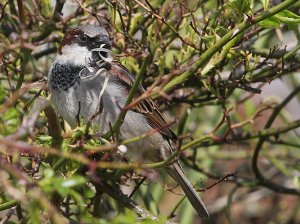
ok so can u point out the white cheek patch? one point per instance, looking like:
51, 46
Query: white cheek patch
75, 54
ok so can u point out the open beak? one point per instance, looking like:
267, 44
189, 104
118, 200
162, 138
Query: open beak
102, 40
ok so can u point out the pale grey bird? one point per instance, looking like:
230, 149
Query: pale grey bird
84, 81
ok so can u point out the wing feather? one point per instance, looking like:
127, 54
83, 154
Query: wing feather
146, 107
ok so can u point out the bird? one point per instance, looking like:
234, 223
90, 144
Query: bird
86, 82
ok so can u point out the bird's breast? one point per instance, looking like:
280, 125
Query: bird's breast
64, 76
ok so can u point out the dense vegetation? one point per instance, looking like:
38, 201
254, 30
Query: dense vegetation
224, 73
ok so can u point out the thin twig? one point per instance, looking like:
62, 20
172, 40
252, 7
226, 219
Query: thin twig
126, 201
259, 176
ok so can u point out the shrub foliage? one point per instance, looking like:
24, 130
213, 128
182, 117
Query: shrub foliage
209, 64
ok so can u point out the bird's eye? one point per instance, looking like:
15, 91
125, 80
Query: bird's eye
84, 38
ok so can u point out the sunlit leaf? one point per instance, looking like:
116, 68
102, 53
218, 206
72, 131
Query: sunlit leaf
271, 22
265, 3
74, 181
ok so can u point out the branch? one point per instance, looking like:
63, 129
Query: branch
205, 57
259, 176
32, 190
57, 10
53, 125
8, 205
29, 121
126, 201
21, 11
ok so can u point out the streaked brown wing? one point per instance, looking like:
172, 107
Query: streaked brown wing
147, 107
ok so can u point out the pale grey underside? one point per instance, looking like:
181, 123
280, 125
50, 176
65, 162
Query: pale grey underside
83, 99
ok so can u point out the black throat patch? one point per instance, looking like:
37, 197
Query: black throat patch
63, 76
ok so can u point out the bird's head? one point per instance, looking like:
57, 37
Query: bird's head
83, 43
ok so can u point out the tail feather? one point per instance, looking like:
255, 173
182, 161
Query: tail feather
176, 172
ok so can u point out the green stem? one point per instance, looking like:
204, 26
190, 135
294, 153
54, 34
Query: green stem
225, 39
196, 141
176, 153
8, 205
205, 71
24, 60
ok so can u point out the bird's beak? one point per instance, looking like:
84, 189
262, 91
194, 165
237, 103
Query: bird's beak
106, 41
102, 40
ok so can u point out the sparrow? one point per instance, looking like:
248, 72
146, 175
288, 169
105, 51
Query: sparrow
86, 82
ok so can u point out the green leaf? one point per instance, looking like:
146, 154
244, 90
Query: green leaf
48, 173
34, 214
57, 186
46, 8
240, 7
11, 119
221, 30
150, 221
11, 113
289, 18
288, 14
62, 185
78, 198
271, 22
127, 218
74, 181
88, 192
44, 140
265, 4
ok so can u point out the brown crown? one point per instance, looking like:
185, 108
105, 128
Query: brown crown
68, 38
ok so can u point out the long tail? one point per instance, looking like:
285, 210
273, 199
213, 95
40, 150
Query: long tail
176, 172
